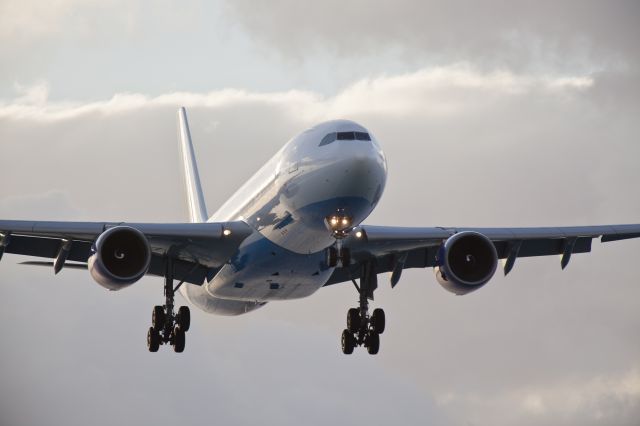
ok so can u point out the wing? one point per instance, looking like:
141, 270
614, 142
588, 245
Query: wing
198, 250
393, 249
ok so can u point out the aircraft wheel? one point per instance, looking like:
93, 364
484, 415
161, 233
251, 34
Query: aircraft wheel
378, 320
373, 343
158, 316
184, 318
353, 320
153, 340
178, 339
348, 342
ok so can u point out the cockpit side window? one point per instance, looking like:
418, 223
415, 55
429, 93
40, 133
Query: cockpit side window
328, 139
361, 136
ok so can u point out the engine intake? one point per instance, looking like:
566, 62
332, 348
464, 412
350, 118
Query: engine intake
466, 261
121, 257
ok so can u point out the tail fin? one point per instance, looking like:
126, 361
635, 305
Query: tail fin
195, 198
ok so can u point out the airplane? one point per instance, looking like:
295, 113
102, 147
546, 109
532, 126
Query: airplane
294, 227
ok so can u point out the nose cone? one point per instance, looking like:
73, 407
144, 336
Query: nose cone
361, 172
334, 170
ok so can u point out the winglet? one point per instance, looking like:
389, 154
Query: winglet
195, 198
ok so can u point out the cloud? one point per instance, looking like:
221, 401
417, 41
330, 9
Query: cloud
437, 90
50, 205
611, 399
31, 21
567, 35
447, 90
33, 105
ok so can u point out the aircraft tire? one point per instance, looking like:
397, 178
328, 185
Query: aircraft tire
153, 340
373, 343
178, 339
353, 320
378, 320
184, 318
158, 317
348, 342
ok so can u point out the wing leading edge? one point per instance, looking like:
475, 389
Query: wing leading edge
198, 250
393, 249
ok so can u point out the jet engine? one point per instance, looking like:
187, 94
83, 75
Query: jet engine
465, 262
121, 257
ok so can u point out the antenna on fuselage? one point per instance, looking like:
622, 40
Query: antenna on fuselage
195, 197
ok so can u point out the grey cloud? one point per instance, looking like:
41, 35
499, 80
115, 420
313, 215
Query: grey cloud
50, 205
562, 34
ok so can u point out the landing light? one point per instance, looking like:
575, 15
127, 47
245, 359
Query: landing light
359, 234
226, 232
339, 224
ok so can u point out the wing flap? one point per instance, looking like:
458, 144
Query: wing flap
543, 247
47, 247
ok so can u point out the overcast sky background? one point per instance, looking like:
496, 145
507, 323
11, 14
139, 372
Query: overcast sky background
499, 114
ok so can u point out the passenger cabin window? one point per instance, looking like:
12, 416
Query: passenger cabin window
345, 136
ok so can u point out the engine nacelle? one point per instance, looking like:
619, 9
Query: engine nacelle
465, 262
121, 257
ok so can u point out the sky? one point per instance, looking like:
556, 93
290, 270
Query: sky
490, 114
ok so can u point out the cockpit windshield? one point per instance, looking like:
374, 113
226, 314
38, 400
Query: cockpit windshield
345, 136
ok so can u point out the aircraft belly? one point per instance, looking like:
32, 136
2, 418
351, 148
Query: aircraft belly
264, 271
200, 298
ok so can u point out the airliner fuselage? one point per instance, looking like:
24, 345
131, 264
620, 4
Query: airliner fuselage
335, 169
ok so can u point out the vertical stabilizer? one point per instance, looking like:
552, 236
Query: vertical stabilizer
195, 198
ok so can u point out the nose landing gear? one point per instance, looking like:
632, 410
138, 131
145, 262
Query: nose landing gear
363, 329
338, 255
168, 327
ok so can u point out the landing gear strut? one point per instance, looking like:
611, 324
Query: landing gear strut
338, 255
167, 327
364, 329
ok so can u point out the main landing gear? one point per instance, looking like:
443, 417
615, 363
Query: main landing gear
167, 327
364, 329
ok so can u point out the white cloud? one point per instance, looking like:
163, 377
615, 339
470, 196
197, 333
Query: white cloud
602, 399
443, 90
26, 22
34, 18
